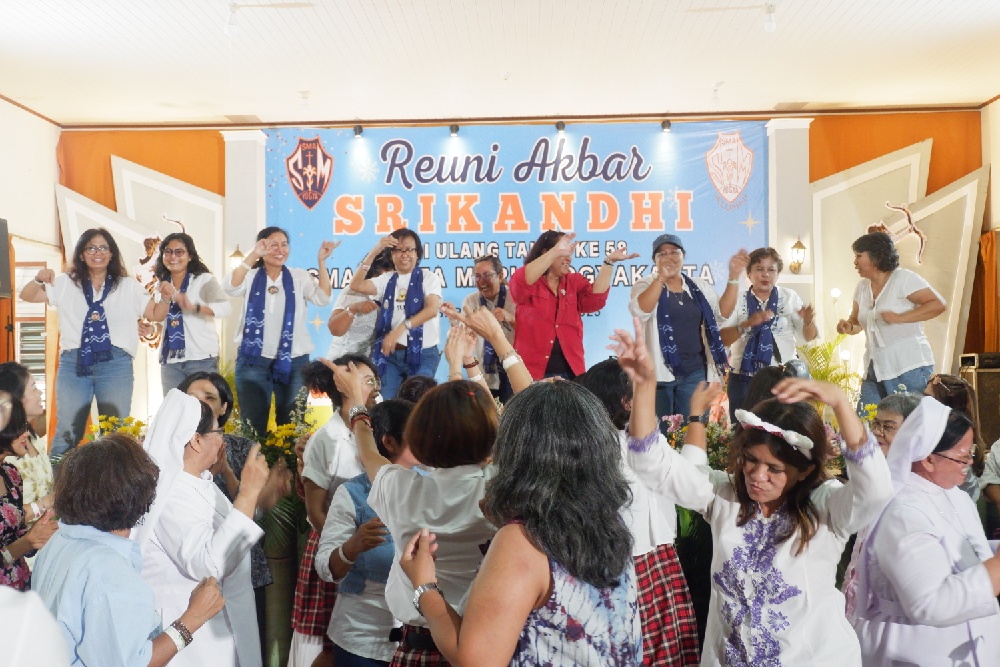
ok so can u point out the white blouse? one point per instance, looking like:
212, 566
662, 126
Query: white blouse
770, 606
786, 325
306, 289
893, 349
650, 517
123, 308
201, 338
331, 457
397, 301
361, 334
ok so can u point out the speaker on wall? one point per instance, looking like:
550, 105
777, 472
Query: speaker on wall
5, 268
986, 382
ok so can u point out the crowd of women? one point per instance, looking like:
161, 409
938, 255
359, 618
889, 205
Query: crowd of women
521, 513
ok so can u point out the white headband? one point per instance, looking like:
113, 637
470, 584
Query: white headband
796, 440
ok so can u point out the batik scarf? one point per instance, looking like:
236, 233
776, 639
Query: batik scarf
760, 344
173, 336
95, 341
671, 357
413, 304
489, 354
252, 345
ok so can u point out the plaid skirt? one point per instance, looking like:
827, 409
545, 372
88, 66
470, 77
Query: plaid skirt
314, 597
669, 628
412, 657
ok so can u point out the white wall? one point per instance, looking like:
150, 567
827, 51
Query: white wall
991, 156
28, 174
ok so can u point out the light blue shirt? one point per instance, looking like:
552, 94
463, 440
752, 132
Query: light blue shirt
90, 581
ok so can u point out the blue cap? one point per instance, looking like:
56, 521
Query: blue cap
672, 239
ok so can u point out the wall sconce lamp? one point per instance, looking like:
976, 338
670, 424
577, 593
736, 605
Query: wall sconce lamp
560, 127
665, 125
236, 258
798, 256
454, 130
357, 131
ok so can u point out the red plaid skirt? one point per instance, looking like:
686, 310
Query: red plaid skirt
314, 597
411, 657
669, 628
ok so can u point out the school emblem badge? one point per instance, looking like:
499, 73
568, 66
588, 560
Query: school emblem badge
309, 170
729, 164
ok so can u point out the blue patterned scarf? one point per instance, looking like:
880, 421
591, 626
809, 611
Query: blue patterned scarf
489, 354
252, 345
173, 336
95, 341
666, 331
413, 304
760, 345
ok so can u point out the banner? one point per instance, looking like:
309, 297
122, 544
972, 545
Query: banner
495, 188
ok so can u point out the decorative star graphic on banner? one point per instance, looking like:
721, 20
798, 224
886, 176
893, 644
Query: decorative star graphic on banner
750, 222
316, 322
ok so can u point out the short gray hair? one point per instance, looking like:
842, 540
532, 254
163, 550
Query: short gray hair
902, 404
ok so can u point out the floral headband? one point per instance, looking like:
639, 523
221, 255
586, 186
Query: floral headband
796, 440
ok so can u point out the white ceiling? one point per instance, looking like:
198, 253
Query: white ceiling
107, 62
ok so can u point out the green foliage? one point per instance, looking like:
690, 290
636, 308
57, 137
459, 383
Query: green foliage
824, 364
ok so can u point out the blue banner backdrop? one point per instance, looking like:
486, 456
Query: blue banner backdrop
495, 188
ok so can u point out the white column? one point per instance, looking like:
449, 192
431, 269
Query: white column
789, 203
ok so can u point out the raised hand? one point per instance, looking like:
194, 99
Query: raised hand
620, 254
704, 396
46, 276
807, 315
632, 354
325, 250
564, 247
738, 264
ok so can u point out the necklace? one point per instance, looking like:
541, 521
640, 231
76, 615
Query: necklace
678, 295
273, 289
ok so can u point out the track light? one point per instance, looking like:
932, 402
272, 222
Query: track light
665, 125
357, 131
560, 127
454, 130
770, 25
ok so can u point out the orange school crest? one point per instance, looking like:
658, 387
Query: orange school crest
309, 169
729, 164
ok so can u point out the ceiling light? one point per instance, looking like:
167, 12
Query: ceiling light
453, 129
665, 125
560, 127
770, 25
357, 131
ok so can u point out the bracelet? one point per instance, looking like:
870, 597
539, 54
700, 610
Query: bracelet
733, 282
361, 418
454, 376
475, 362
476, 378
39, 282
37, 510
420, 590
244, 265
8, 557
510, 361
182, 629
340, 552
175, 636
607, 263
408, 325
362, 265
197, 308
357, 410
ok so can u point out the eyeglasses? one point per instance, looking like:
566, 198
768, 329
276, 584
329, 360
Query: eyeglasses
176, 252
489, 275
403, 251
94, 249
886, 427
965, 462
373, 382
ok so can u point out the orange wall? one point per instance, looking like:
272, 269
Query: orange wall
193, 156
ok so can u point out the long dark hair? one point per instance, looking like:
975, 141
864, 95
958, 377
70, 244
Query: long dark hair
17, 425
195, 266
803, 419
559, 471
78, 270
543, 244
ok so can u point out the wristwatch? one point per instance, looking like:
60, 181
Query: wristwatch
420, 590
696, 419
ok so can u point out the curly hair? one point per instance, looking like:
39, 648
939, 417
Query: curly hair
799, 417
108, 484
195, 266
880, 249
559, 472
78, 270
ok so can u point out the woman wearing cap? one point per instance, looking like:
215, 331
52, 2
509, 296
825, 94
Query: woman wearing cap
890, 306
551, 298
681, 316
927, 578
764, 326
779, 525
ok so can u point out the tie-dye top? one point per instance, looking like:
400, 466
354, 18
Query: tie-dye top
582, 625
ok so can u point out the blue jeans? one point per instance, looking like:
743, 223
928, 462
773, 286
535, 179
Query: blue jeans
397, 370
111, 383
674, 398
873, 391
343, 658
173, 374
255, 387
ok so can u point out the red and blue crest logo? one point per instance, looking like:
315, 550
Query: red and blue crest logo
309, 170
